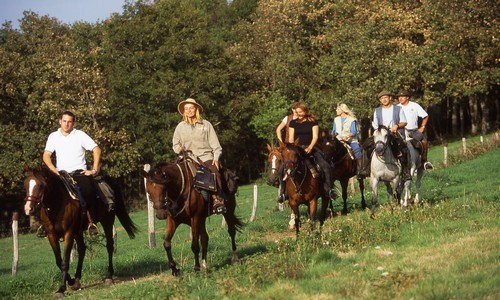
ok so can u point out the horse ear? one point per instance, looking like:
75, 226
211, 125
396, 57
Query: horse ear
269, 147
282, 144
296, 141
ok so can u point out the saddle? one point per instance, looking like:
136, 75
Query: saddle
417, 145
203, 178
70, 185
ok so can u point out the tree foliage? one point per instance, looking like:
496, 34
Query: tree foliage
245, 62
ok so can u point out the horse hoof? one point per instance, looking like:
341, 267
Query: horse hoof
76, 285
108, 281
58, 295
234, 258
177, 273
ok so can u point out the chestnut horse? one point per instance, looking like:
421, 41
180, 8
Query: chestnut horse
61, 217
275, 161
301, 186
343, 167
171, 190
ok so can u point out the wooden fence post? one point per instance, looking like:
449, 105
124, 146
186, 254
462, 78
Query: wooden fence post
115, 238
445, 150
254, 208
351, 181
464, 146
15, 239
151, 214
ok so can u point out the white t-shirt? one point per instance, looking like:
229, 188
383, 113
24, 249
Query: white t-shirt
387, 114
412, 111
70, 149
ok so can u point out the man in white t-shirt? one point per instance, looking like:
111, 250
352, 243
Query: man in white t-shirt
413, 111
70, 145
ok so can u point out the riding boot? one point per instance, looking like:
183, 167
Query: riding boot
218, 207
281, 195
405, 169
359, 173
106, 193
41, 233
312, 168
92, 228
427, 165
365, 165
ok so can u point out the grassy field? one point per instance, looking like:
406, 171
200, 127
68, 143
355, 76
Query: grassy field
446, 248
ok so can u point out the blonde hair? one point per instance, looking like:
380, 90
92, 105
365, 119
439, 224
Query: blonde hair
343, 107
192, 121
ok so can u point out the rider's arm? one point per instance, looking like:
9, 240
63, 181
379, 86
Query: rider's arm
291, 133
48, 161
278, 130
315, 133
96, 153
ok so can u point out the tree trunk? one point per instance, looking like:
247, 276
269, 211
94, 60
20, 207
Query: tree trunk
474, 115
454, 111
484, 115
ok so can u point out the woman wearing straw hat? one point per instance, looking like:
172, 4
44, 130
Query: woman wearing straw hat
197, 135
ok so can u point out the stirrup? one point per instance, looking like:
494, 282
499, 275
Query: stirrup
219, 207
428, 166
40, 232
93, 230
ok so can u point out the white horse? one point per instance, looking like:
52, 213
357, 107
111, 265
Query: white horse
418, 168
384, 167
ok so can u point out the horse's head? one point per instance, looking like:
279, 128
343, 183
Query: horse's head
381, 138
156, 187
332, 148
292, 157
35, 185
275, 161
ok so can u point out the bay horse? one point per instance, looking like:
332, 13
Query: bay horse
416, 167
385, 167
62, 218
174, 197
344, 167
301, 186
275, 161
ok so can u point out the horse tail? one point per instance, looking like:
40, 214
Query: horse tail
122, 214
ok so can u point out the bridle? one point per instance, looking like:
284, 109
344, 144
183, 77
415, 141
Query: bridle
38, 198
274, 157
162, 202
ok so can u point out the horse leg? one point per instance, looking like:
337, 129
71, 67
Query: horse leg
68, 246
295, 210
231, 222
81, 249
374, 184
313, 206
167, 244
418, 184
203, 236
343, 184
390, 193
110, 247
325, 202
361, 183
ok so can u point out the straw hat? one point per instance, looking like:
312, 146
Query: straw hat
181, 105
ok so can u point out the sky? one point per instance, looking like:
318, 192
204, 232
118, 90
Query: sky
66, 11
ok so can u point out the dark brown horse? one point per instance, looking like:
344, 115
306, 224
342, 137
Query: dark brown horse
170, 187
301, 186
343, 167
61, 217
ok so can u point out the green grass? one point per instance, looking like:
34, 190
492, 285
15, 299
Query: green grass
445, 248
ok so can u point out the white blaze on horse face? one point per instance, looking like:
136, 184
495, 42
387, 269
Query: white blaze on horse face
27, 205
273, 164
